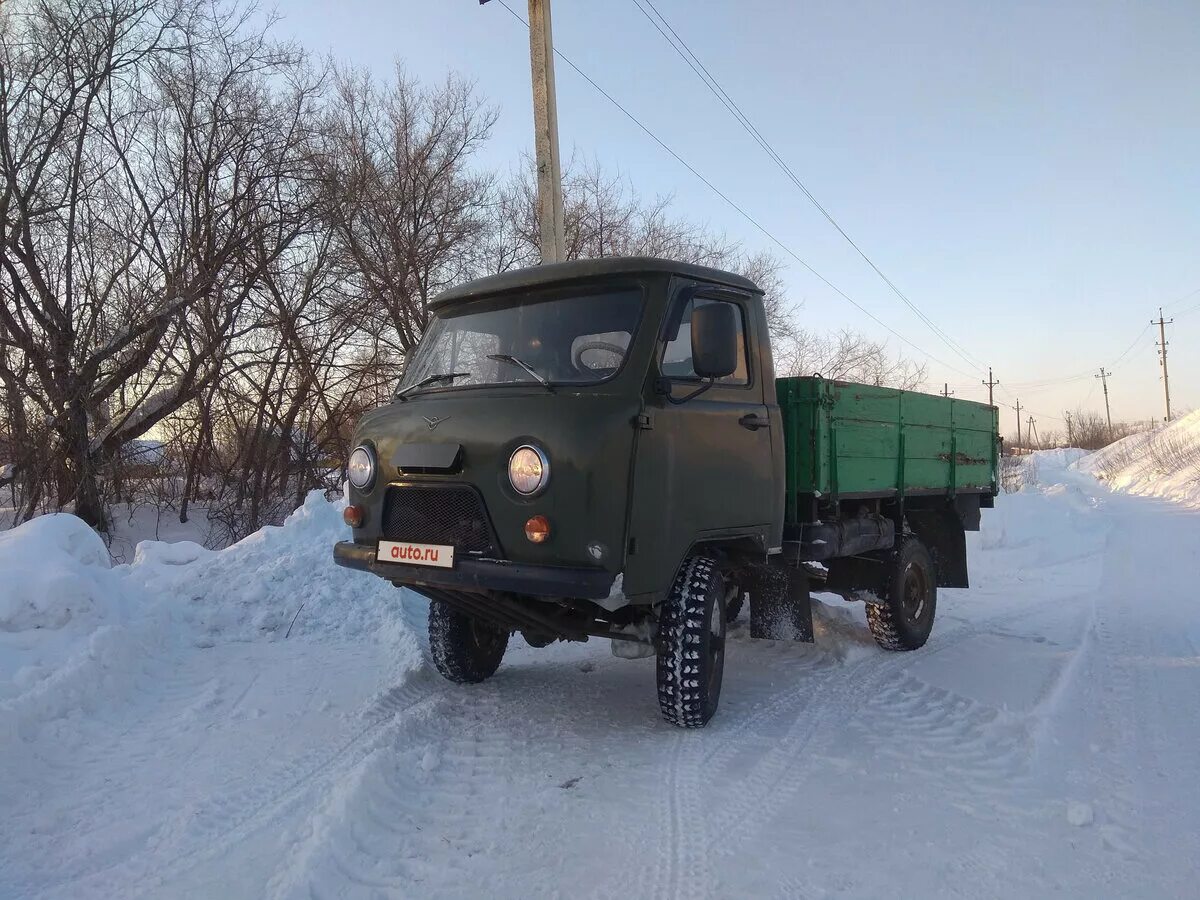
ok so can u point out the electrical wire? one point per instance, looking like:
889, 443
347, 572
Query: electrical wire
697, 66
749, 218
1186, 311
1186, 296
1046, 383
1129, 349
1091, 393
1024, 408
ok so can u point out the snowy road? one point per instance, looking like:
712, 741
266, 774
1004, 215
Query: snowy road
1046, 741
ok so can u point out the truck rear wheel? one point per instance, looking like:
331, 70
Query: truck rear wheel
464, 649
691, 653
904, 617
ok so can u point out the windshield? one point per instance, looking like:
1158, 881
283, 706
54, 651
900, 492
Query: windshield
522, 340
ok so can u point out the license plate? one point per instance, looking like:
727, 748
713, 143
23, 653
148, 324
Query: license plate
437, 555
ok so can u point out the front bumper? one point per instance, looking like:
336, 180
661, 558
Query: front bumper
481, 575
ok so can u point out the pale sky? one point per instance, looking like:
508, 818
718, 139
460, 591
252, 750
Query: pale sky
1025, 172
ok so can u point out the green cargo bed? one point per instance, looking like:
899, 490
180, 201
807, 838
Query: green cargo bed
846, 441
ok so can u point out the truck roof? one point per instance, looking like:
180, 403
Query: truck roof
585, 270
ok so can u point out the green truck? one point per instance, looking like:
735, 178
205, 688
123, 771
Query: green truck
601, 449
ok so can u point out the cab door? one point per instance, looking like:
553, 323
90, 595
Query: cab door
704, 459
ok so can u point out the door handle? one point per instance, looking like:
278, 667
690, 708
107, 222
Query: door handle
754, 421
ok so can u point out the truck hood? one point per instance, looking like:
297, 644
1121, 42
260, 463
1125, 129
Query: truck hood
467, 436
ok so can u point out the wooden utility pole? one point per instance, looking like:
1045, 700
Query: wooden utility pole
991, 383
1031, 434
1104, 376
1070, 430
545, 127
1162, 343
1018, 424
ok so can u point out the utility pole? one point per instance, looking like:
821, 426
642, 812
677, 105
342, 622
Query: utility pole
1104, 376
1162, 343
545, 127
946, 392
1070, 430
1034, 440
1018, 424
991, 383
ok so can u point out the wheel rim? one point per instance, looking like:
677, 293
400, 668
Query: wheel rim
916, 592
716, 647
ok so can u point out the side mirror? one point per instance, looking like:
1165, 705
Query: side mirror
714, 340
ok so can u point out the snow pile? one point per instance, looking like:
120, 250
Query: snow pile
63, 612
71, 627
74, 627
1161, 463
255, 588
1059, 458
55, 569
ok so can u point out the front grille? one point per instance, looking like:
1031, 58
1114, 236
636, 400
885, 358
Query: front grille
442, 514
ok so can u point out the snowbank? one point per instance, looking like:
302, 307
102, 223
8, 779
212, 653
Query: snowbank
55, 569
1161, 463
255, 588
74, 627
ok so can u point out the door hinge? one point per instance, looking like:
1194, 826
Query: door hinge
643, 421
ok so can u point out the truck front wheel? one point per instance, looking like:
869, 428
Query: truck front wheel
464, 649
903, 618
691, 653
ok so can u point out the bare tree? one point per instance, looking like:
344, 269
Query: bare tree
141, 149
206, 241
605, 216
848, 356
408, 212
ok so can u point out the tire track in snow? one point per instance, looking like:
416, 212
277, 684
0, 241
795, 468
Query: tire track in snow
845, 692
201, 831
819, 689
466, 793
686, 838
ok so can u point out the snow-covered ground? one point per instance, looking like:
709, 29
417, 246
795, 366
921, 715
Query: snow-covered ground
162, 734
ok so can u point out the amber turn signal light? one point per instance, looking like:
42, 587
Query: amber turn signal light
353, 516
537, 529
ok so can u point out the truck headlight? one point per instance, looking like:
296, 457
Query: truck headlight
528, 470
361, 468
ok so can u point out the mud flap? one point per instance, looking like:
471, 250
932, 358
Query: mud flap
780, 604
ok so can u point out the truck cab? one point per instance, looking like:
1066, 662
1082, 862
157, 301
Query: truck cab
589, 449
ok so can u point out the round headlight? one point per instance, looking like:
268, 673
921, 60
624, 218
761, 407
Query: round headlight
361, 468
528, 470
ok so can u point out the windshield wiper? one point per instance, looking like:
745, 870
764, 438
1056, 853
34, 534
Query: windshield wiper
432, 379
517, 361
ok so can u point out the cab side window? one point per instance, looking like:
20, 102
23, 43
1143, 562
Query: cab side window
677, 357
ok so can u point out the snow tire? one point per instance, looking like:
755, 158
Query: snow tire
464, 649
691, 636
903, 618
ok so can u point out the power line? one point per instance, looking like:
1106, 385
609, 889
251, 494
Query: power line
1040, 415
749, 218
1186, 296
1128, 349
1045, 383
1048, 382
685, 52
1095, 384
